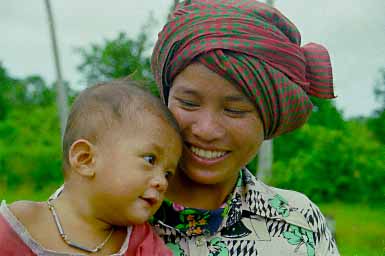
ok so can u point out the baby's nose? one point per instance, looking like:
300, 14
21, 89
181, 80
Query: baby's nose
160, 183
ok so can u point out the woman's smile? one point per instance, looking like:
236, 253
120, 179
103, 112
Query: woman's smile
207, 157
207, 154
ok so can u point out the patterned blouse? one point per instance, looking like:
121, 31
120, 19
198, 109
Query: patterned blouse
256, 220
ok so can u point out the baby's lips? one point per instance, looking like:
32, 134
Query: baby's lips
151, 199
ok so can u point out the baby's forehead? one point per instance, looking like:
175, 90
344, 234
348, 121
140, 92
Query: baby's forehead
149, 129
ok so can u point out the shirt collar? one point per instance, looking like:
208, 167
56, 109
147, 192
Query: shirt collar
262, 200
251, 198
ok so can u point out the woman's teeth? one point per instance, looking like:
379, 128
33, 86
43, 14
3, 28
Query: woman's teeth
208, 154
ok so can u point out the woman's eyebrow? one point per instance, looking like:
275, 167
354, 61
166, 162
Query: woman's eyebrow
188, 91
237, 98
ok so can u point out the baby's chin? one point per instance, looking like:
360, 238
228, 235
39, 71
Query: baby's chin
139, 218
130, 221
135, 214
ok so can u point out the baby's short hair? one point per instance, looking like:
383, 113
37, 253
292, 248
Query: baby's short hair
99, 106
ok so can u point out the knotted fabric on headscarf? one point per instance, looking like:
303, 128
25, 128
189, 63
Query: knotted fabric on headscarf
253, 46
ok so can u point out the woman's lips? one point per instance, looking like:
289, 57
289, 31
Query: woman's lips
205, 156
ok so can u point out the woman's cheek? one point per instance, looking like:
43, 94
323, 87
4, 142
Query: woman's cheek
183, 117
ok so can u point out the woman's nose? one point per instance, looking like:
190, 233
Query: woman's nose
208, 127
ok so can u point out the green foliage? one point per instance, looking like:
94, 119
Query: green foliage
113, 59
30, 147
29, 133
22, 93
326, 114
332, 159
331, 164
119, 57
377, 125
379, 89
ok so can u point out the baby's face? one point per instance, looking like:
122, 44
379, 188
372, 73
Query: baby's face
133, 166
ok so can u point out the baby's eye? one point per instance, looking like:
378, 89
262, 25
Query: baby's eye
150, 159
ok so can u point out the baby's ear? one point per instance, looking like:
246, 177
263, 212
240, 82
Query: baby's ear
81, 157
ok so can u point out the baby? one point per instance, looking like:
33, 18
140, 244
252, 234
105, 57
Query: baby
120, 147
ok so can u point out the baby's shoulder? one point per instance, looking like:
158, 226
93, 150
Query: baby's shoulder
28, 212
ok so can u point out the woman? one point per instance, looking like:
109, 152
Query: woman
233, 74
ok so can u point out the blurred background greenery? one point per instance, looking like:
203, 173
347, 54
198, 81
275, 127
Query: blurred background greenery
339, 163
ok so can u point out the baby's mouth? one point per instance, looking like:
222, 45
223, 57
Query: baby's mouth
150, 200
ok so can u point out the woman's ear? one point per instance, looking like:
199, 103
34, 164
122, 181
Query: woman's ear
82, 157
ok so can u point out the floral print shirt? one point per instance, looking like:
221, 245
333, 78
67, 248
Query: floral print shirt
256, 220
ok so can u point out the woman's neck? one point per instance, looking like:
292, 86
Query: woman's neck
185, 191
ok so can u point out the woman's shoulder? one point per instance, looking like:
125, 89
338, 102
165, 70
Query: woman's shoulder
298, 202
288, 205
292, 198
298, 211
295, 199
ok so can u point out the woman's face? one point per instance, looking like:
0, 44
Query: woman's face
220, 126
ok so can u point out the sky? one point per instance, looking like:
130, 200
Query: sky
352, 30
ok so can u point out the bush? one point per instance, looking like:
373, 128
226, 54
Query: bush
332, 164
30, 147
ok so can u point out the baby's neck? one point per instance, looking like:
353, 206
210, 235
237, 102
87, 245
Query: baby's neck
76, 211
191, 194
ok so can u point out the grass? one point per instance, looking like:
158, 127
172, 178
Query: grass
360, 229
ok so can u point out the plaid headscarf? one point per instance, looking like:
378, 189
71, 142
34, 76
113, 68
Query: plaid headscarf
253, 46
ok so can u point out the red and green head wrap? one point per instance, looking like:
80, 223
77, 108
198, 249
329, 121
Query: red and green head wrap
253, 46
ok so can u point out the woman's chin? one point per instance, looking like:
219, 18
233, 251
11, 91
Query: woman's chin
204, 177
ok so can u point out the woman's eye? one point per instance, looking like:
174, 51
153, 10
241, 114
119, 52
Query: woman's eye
236, 111
169, 174
150, 159
188, 103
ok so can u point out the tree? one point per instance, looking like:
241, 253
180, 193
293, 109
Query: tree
5, 87
119, 57
329, 164
377, 122
326, 114
22, 93
113, 59
379, 89
29, 133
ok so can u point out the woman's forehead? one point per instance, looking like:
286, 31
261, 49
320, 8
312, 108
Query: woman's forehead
197, 80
